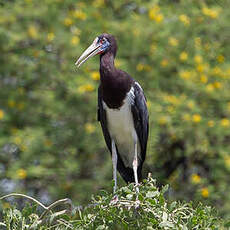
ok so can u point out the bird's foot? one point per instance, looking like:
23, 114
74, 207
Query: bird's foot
114, 200
136, 186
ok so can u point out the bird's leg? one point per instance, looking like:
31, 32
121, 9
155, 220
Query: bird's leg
114, 160
135, 165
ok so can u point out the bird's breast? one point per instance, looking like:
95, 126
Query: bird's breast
121, 128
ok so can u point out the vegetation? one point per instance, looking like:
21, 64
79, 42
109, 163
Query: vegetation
147, 210
51, 145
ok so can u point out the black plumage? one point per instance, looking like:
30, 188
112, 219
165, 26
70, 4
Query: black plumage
140, 116
117, 88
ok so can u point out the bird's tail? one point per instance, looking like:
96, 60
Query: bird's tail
128, 174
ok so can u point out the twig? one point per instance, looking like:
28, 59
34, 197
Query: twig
47, 209
25, 196
55, 204
2, 224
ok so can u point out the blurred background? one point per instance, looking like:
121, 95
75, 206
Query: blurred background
51, 145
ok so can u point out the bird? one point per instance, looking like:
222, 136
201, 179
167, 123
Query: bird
122, 112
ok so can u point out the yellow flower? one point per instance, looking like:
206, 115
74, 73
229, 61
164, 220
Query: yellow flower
154, 15
186, 117
140, 67
185, 74
225, 122
211, 123
86, 88
148, 103
196, 118
76, 31
68, 21
172, 99
170, 109
95, 75
205, 192
212, 13
217, 85
79, 14
198, 59
220, 58
163, 120
89, 128
50, 37
164, 62
185, 19
32, 32
21, 173
203, 78
1, 114
153, 12
75, 40
210, 87
227, 161
17, 140
173, 41
195, 178
118, 62
191, 104
183, 56
159, 18
143, 67
200, 68
23, 147
216, 71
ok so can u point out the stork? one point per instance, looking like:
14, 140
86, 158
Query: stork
122, 111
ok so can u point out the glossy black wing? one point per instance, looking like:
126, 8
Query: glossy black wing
141, 119
101, 117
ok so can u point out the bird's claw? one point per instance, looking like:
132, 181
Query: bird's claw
136, 186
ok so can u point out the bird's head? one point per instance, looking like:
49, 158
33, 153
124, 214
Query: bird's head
102, 44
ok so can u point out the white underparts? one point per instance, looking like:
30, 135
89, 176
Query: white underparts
121, 129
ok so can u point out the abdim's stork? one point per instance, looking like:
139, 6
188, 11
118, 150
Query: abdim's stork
122, 111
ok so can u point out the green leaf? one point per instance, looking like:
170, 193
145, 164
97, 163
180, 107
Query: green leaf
151, 194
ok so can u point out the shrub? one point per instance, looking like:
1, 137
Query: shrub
127, 210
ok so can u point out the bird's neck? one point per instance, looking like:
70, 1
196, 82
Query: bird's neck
114, 83
107, 68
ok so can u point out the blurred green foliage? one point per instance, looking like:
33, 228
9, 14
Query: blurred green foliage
127, 210
51, 143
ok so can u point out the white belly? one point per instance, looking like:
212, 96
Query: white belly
122, 131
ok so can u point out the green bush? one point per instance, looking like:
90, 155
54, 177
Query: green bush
51, 143
127, 210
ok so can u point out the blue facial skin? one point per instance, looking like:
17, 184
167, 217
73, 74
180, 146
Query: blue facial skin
104, 46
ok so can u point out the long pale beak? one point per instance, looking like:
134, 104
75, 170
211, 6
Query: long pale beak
91, 51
